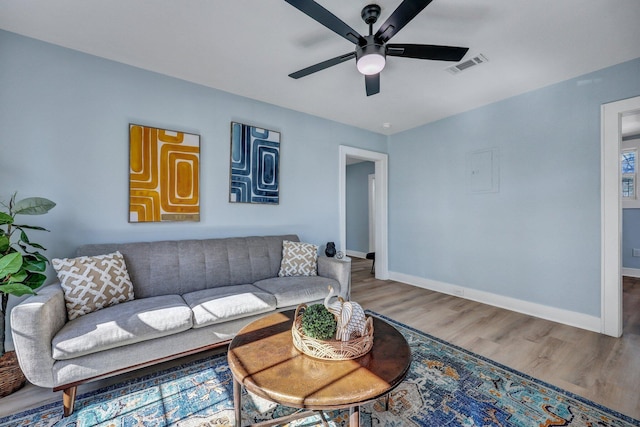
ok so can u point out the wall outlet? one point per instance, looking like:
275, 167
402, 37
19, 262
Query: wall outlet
635, 252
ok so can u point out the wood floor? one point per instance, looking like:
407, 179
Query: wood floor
603, 369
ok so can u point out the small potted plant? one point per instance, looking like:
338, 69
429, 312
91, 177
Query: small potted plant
22, 271
317, 322
314, 333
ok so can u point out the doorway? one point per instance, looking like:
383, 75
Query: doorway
611, 209
380, 201
360, 212
371, 208
629, 149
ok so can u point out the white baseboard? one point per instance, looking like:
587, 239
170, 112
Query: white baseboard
356, 254
631, 272
567, 317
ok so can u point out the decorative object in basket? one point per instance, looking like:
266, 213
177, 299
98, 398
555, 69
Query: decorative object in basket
358, 344
349, 315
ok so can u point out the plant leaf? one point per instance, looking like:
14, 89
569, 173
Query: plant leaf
10, 264
18, 277
33, 264
33, 206
4, 243
30, 227
17, 289
37, 246
40, 257
35, 280
5, 218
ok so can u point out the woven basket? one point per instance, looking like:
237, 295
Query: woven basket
11, 376
330, 349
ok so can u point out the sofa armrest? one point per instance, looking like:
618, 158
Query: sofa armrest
34, 322
338, 269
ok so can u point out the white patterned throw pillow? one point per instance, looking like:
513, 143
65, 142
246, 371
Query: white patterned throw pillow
93, 283
298, 259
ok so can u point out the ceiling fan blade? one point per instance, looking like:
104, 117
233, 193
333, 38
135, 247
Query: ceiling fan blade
427, 51
372, 83
322, 65
407, 10
326, 18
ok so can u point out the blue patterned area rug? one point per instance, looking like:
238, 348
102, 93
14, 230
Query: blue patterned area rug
446, 386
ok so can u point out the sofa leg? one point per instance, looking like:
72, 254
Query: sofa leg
69, 399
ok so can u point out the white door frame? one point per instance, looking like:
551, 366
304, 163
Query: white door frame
611, 215
371, 200
381, 164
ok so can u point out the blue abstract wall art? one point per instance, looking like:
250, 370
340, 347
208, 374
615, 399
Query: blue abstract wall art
255, 161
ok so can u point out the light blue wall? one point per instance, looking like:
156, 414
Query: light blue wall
538, 238
64, 119
630, 237
357, 204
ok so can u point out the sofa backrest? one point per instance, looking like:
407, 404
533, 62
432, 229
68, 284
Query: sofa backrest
181, 266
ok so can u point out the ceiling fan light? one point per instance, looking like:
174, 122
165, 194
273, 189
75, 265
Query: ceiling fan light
370, 64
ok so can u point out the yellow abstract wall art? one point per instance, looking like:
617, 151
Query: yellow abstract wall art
164, 170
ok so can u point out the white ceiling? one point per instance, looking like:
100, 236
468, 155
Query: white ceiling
248, 47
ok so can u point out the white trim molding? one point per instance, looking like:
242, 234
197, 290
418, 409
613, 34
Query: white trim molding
631, 272
567, 317
611, 213
356, 254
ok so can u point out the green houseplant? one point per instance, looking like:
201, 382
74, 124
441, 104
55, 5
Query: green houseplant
22, 266
318, 322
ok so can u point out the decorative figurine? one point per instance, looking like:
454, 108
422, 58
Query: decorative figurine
352, 322
330, 251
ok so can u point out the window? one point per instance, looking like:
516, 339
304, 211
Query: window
628, 166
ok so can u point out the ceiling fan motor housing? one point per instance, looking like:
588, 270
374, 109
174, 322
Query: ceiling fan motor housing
372, 49
372, 46
369, 46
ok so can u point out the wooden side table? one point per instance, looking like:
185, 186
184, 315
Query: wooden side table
263, 359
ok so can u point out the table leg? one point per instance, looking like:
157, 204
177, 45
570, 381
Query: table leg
354, 416
237, 401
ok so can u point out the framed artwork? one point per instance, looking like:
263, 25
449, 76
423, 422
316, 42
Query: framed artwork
254, 168
164, 170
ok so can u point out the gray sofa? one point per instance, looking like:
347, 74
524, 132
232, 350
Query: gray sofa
190, 296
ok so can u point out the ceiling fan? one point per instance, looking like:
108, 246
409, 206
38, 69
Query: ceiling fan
371, 51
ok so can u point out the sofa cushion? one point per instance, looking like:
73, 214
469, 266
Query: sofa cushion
180, 266
93, 283
217, 305
291, 291
298, 259
122, 324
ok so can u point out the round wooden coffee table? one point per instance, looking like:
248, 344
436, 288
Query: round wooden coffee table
263, 359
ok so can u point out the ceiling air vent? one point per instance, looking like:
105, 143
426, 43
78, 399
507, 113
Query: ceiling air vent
477, 60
